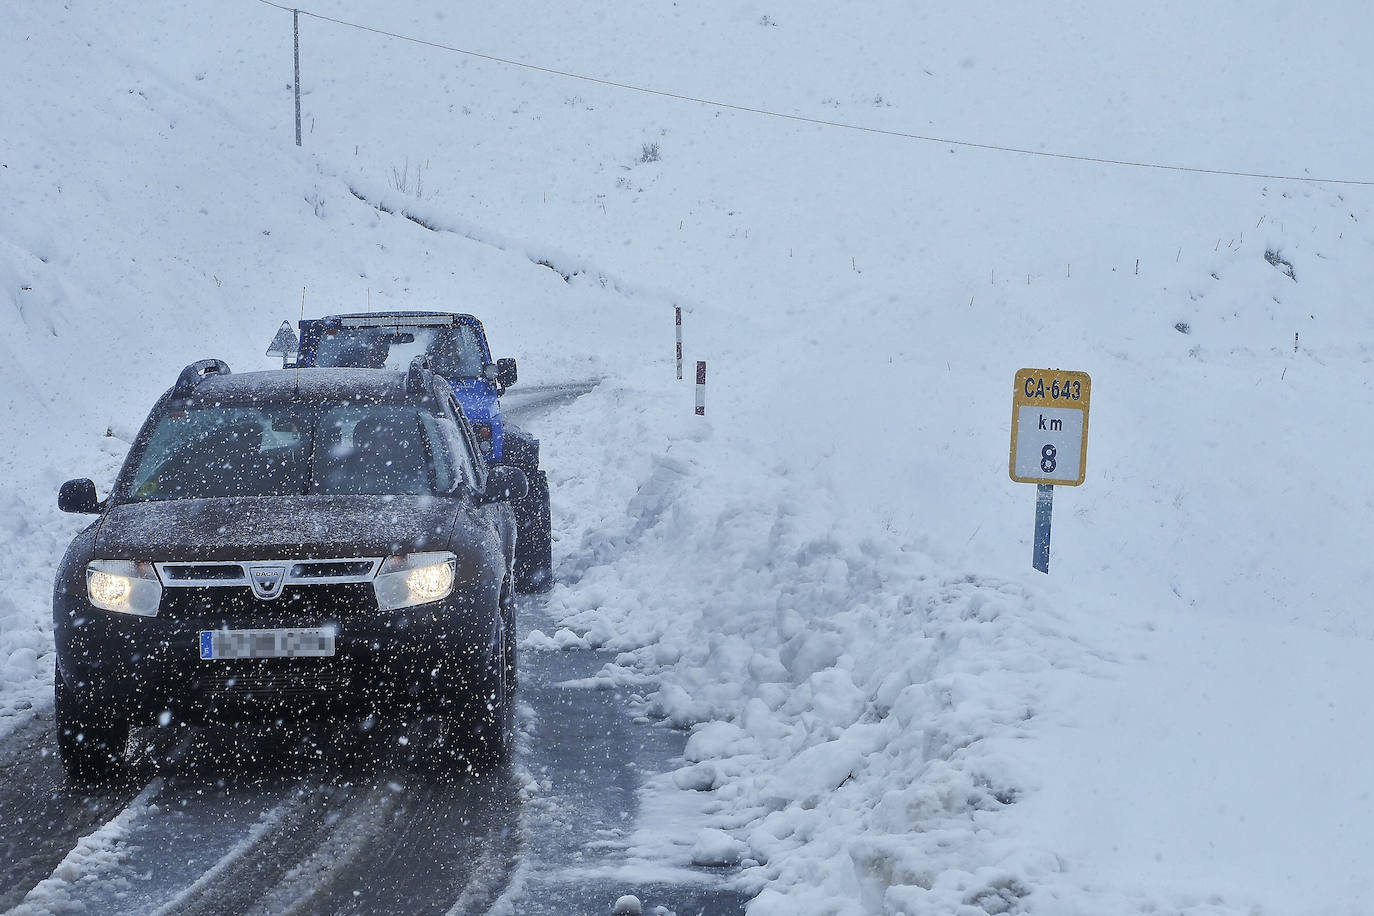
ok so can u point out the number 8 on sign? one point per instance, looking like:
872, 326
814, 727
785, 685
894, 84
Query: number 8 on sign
1047, 462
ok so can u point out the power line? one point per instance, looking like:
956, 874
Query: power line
802, 119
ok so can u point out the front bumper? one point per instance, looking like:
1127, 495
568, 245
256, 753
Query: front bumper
139, 668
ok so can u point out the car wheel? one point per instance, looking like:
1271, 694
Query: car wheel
490, 713
91, 742
508, 615
534, 537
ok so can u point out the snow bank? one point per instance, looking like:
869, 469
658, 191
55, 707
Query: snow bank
854, 705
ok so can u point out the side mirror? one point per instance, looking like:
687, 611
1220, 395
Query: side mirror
505, 372
505, 482
78, 496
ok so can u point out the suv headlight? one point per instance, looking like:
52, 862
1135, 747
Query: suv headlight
414, 578
124, 586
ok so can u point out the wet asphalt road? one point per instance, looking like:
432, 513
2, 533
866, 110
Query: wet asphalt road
278, 821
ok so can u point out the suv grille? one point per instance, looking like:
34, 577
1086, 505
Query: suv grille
252, 590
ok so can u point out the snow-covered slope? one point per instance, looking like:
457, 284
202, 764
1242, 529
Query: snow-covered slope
827, 578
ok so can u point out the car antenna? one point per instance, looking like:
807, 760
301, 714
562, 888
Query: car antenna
298, 356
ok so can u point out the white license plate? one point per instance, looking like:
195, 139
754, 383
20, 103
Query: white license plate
277, 643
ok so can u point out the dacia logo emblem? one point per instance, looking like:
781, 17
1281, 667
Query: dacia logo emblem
268, 581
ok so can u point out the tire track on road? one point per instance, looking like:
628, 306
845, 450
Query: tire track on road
44, 816
289, 834
433, 846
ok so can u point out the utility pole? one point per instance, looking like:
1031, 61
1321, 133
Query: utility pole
296, 26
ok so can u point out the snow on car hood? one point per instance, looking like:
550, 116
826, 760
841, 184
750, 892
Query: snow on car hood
285, 527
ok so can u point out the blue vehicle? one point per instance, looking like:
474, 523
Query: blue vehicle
456, 348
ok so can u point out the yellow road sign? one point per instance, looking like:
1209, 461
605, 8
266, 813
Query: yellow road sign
1049, 427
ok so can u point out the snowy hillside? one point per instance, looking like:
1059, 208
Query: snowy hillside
827, 579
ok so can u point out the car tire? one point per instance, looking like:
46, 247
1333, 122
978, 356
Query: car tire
508, 615
534, 537
490, 713
90, 742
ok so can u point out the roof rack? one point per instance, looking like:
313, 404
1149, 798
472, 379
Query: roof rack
195, 373
395, 319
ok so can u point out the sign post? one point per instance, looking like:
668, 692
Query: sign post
1049, 441
1044, 507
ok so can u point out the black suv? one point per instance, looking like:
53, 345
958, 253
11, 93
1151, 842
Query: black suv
290, 546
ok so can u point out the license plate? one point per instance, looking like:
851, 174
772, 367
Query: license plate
277, 643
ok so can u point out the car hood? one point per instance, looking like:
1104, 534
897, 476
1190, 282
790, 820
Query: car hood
276, 527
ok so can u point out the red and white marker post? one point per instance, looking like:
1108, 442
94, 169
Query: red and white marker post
701, 388
678, 313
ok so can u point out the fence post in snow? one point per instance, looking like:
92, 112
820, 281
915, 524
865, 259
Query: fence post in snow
296, 30
677, 310
701, 388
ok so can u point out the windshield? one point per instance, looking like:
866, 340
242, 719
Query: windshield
454, 352
286, 450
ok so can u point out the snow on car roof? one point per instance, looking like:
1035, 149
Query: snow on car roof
304, 385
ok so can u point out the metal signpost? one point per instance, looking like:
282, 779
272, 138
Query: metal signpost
1049, 441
